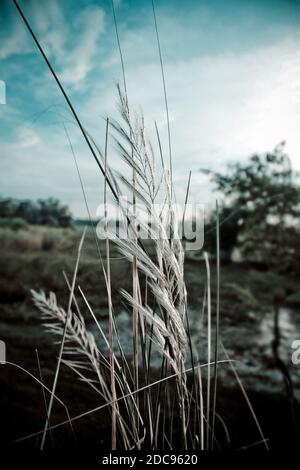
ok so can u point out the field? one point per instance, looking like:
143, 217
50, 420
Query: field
35, 258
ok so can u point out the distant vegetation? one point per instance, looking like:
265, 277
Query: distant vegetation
17, 213
261, 210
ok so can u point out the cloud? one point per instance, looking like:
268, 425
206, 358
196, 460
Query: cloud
223, 107
224, 104
27, 138
82, 56
70, 38
15, 42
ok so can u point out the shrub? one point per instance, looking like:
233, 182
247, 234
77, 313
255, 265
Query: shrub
15, 223
42, 212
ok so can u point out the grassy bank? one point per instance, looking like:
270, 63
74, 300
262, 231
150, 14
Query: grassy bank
36, 257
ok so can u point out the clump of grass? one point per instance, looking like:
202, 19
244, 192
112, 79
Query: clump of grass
34, 238
147, 418
160, 310
15, 223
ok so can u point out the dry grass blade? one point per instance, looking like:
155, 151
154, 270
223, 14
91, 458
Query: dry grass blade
208, 350
264, 440
215, 379
37, 299
101, 407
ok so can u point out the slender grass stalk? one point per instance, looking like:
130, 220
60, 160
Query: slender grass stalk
135, 282
208, 350
107, 281
135, 313
62, 342
17, 366
264, 440
43, 390
119, 48
201, 431
126, 432
84, 195
194, 383
186, 197
165, 96
215, 379
73, 111
108, 404
110, 313
122, 383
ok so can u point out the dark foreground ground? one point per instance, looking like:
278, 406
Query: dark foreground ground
35, 258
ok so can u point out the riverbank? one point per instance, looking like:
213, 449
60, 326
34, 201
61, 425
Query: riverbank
36, 259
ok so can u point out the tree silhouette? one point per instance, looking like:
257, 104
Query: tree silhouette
42, 212
261, 208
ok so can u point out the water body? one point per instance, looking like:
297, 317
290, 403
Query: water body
248, 341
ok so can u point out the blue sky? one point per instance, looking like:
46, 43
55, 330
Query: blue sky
232, 71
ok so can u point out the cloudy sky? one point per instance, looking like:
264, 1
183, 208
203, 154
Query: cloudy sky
232, 70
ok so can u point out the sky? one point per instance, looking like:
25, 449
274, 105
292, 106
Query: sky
232, 71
